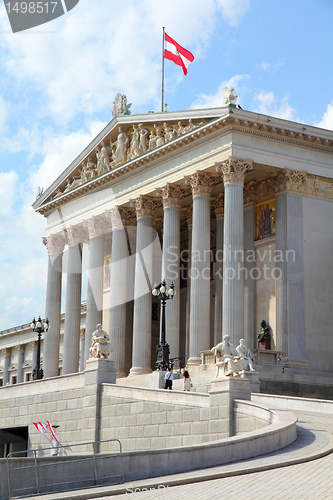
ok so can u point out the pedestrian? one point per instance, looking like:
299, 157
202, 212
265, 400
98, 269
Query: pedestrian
168, 379
187, 381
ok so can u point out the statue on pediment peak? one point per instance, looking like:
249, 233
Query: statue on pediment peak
120, 106
229, 96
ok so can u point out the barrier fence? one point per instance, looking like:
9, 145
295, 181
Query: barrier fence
78, 466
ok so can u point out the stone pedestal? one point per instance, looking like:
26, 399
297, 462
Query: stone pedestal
223, 392
156, 379
100, 371
97, 372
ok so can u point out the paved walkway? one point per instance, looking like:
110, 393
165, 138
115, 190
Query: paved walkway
303, 470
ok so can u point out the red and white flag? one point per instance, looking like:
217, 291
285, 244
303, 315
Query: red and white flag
176, 53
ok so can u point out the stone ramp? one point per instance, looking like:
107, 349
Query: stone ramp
313, 444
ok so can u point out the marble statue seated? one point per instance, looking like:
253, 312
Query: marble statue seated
231, 361
100, 345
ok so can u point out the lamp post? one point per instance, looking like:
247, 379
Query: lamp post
39, 327
163, 349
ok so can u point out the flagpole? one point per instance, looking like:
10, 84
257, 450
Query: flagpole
163, 70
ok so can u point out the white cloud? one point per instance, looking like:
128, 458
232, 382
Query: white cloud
217, 99
267, 104
234, 10
327, 120
271, 67
122, 54
4, 110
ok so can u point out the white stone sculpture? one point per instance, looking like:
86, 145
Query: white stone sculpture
100, 345
134, 150
229, 95
229, 361
120, 106
105, 157
121, 145
244, 355
190, 126
144, 138
181, 129
152, 140
159, 135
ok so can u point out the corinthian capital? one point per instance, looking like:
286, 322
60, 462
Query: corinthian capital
119, 217
234, 170
171, 195
201, 183
76, 235
144, 206
97, 226
55, 243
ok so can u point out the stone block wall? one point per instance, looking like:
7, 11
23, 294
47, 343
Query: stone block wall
145, 424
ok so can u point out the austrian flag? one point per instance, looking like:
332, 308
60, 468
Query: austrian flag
176, 53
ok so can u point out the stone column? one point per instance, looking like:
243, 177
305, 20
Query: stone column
171, 196
73, 302
233, 171
97, 228
141, 357
34, 344
201, 183
188, 215
249, 284
7, 352
20, 361
120, 288
82, 349
55, 246
219, 211
290, 270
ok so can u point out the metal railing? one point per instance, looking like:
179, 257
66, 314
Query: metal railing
79, 466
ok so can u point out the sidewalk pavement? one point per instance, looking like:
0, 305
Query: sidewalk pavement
303, 470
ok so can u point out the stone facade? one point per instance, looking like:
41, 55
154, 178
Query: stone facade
225, 182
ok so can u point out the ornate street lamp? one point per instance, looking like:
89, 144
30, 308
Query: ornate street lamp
163, 349
39, 327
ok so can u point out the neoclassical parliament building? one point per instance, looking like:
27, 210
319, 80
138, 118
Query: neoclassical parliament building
234, 207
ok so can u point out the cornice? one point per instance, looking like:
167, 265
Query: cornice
239, 121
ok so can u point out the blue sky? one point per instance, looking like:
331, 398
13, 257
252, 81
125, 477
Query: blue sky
58, 82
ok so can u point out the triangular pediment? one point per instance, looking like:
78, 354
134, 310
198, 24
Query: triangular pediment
12, 368
124, 141
27, 364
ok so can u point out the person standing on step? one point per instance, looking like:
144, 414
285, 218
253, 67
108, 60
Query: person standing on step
168, 379
187, 381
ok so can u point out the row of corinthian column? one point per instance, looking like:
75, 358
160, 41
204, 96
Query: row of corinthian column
143, 273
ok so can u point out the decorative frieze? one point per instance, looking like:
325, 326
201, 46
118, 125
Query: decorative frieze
201, 183
144, 206
234, 169
171, 195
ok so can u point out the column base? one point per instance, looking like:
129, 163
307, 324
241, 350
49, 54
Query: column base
194, 361
137, 370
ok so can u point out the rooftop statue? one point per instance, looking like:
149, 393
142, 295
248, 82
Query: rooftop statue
100, 345
120, 106
229, 95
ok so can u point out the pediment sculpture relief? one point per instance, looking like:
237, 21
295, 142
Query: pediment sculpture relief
129, 144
